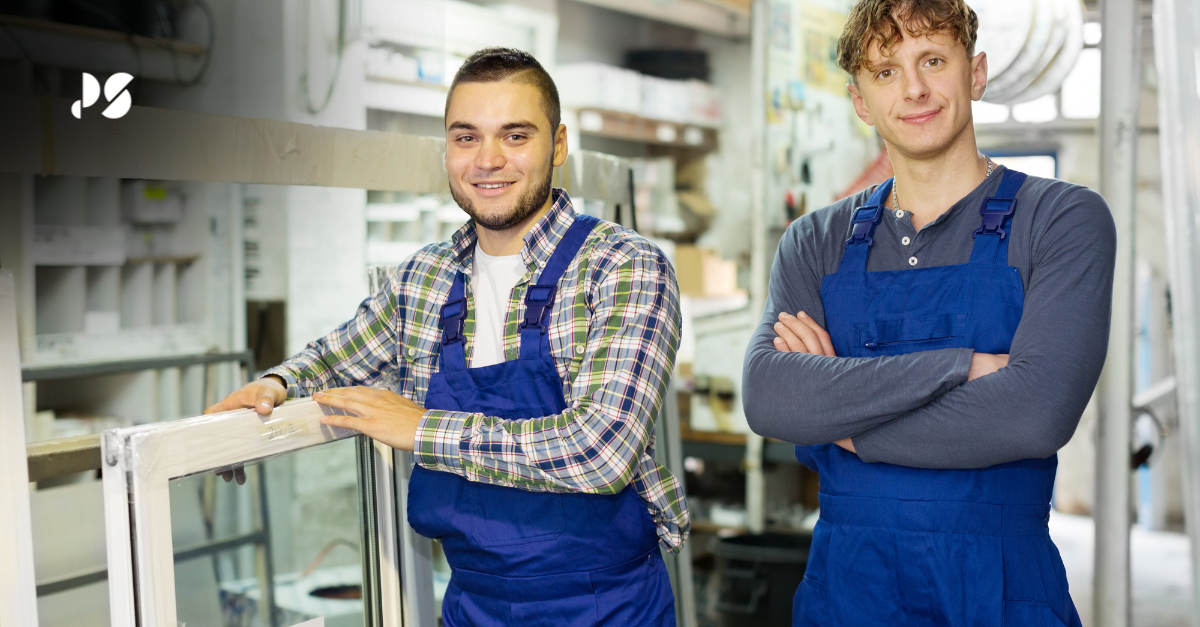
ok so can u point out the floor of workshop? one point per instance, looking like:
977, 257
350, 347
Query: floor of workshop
1161, 565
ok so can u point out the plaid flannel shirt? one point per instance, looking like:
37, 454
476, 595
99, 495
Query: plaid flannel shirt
614, 330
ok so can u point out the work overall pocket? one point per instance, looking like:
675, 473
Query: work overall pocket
900, 336
503, 516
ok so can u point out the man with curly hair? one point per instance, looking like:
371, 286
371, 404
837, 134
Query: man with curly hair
930, 343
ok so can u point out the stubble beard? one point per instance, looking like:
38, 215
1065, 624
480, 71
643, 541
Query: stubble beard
524, 207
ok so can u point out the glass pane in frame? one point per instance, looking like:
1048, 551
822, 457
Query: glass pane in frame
297, 522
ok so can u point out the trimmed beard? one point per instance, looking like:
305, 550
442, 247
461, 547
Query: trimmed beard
525, 206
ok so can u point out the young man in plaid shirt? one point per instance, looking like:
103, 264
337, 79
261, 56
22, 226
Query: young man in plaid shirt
529, 356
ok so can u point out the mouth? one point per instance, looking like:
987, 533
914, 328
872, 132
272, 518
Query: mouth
492, 188
921, 118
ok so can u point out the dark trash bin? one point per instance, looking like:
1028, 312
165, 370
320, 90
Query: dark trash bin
759, 574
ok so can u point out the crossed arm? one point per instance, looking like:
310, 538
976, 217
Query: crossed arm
946, 408
801, 334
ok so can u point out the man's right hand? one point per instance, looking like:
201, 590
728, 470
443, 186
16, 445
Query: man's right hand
983, 364
263, 395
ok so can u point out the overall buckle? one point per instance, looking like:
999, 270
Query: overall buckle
865, 219
995, 211
538, 298
453, 314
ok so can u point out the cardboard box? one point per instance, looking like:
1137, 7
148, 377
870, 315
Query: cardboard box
702, 272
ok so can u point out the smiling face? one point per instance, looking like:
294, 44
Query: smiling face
918, 96
501, 152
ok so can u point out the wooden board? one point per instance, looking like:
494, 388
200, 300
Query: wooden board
42, 137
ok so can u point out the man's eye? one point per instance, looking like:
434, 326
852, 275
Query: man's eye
466, 138
884, 74
935, 62
516, 137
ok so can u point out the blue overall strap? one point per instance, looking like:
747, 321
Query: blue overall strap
862, 230
454, 312
539, 297
997, 212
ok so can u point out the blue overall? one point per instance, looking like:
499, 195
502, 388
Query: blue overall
911, 546
525, 558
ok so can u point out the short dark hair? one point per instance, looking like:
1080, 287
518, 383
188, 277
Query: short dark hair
493, 65
884, 20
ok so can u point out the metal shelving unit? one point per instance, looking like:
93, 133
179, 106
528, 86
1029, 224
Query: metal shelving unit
55, 44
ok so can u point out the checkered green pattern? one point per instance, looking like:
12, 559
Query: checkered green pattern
614, 330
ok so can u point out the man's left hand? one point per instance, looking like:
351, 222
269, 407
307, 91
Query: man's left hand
801, 334
378, 414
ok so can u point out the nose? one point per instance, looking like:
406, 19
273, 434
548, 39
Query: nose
490, 156
915, 87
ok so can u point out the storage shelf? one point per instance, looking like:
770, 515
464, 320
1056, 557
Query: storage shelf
175, 259
629, 127
713, 437
69, 245
391, 253
727, 446
728, 18
395, 81
63, 349
705, 526
54, 44
102, 368
99, 34
393, 212
58, 458
399, 97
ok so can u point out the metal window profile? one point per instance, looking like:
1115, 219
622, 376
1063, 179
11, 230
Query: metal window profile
415, 585
139, 462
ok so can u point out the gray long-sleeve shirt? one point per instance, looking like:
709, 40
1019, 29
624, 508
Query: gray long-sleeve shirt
918, 409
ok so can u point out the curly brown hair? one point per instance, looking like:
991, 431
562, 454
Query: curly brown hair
886, 21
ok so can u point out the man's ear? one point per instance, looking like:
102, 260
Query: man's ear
860, 105
560, 145
978, 76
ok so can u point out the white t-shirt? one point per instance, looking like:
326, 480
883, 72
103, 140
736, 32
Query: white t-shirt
492, 281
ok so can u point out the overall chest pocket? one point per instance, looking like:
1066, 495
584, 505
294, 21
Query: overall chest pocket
899, 336
503, 516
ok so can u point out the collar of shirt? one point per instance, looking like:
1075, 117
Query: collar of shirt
540, 241
988, 185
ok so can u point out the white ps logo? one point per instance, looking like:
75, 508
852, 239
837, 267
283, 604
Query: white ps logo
114, 92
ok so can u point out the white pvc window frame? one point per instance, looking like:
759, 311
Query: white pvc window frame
18, 598
139, 462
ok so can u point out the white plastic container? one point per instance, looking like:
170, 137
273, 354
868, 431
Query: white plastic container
600, 86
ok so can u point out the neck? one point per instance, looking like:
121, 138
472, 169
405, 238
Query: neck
929, 186
510, 241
